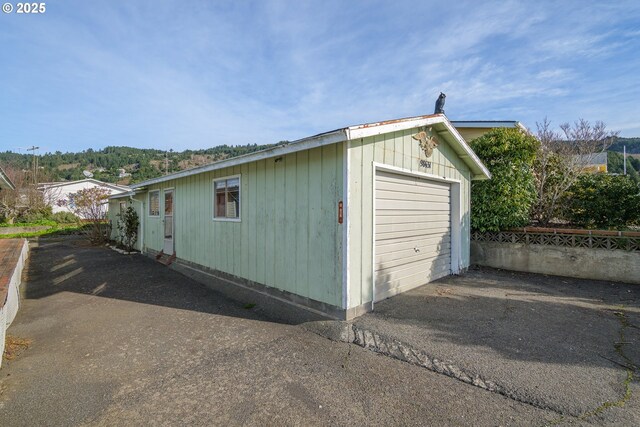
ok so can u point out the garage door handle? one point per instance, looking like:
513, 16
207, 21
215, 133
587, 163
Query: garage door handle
416, 249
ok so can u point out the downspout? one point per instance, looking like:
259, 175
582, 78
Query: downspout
141, 221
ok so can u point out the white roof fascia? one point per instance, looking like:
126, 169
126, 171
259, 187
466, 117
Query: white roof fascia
46, 185
121, 195
281, 150
469, 157
469, 153
363, 131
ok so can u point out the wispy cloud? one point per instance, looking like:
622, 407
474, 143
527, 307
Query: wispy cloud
173, 75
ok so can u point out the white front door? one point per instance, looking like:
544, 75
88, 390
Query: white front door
168, 247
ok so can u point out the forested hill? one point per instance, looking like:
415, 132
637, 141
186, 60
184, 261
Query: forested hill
632, 144
123, 165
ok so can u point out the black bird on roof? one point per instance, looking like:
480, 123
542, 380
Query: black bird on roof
440, 104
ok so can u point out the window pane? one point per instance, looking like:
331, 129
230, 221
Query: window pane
227, 198
168, 203
220, 208
233, 202
154, 203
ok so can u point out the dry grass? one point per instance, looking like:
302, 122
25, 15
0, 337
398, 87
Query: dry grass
444, 291
14, 346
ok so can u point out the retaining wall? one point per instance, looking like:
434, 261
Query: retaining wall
13, 255
612, 257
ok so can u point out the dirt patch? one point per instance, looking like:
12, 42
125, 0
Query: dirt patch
15, 346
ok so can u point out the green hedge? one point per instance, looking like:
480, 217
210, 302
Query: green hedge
603, 201
506, 199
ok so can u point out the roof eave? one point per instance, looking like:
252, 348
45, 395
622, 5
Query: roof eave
280, 150
478, 169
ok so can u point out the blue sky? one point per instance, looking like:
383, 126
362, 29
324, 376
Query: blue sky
196, 74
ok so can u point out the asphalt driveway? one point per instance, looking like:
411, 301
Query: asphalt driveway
568, 345
122, 340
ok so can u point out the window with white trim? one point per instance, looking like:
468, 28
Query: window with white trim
226, 198
154, 203
123, 207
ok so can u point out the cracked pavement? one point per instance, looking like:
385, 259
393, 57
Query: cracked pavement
122, 340
555, 343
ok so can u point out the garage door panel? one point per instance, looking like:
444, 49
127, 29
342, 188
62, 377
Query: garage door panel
427, 232
406, 212
416, 227
425, 270
393, 177
421, 194
416, 186
410, 256
410, 213
390, 289
411, 218
401, 250
388, 246
432, 266
411, 205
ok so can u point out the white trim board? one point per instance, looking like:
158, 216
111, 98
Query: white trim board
346, 234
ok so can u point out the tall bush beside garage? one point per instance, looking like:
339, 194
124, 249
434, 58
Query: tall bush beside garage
603, 201
504, 201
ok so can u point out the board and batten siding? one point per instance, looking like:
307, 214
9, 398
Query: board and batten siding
400, 150
288, 236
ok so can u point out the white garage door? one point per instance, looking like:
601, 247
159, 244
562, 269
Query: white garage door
413, 232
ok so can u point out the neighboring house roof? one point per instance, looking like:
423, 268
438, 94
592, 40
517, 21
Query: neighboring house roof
47, 185
488, 124
595, 159
5, 182
442, 125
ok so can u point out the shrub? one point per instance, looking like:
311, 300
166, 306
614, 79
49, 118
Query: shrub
506, 199
127, 226
64, 217
91, 205
35, 215
603, 201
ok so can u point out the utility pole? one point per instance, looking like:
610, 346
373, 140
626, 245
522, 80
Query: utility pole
624, 158
166, 163
35, 164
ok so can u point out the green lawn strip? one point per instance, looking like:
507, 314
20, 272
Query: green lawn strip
41, 223
57, 229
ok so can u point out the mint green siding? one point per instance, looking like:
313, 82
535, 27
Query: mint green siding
400, 150
288, 236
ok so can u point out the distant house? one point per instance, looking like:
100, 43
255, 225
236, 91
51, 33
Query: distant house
334, 222
595, 163
472, 129
57, 194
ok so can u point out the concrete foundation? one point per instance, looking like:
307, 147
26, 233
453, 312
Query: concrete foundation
276, 304
582, 263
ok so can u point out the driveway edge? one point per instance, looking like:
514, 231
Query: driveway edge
350, 333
